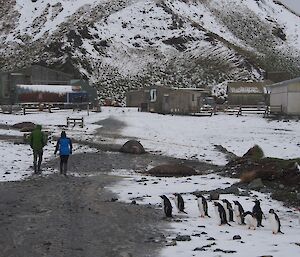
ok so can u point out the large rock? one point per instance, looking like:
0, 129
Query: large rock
254, 153
172, 170
132, 146
214, 196
256, 184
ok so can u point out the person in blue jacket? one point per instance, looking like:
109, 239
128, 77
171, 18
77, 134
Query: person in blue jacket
64, 146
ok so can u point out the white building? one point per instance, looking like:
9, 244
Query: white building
287, 95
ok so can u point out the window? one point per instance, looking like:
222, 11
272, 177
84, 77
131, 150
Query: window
152, 95
193, 97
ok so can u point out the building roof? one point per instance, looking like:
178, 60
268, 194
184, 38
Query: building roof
189, 88
61, 89
284, 83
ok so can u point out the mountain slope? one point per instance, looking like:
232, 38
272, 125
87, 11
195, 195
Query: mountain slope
125, 44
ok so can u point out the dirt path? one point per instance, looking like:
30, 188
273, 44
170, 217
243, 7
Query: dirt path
57, 216
70, 217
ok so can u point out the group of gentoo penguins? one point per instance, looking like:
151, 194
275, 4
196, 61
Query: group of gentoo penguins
225, 213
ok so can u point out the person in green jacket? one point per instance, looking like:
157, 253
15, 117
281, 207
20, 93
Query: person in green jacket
37, 140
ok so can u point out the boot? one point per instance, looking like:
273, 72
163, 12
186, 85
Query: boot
39, 171
61, 168
35, 168
65, 169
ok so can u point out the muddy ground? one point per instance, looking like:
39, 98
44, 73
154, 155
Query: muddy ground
75, 215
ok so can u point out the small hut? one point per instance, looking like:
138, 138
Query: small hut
166, 100
247, 93
285, 94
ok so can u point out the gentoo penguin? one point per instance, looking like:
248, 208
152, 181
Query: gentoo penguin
228, 209
167, 206
275, 222
238, 212
250, 220
258, 213
220, 214
202, 206
179, 202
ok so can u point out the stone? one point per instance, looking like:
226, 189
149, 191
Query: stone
224, 251
254, 153
244, 193
172, 170
211, 239
203, 248
233, 189
171, 243
183, 238
236, 237
133, 147
196, 235
256, 184
214, 196
200, 249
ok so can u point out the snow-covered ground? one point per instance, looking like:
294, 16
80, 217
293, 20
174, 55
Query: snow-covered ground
293, 4
261, 242
178, 136
16, 159
195, 137
184, 137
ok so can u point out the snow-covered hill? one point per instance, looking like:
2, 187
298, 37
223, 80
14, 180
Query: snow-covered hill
125, 44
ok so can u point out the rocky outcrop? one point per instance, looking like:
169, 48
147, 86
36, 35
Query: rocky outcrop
254, 153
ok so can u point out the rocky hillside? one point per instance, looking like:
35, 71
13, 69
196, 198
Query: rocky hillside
125, 44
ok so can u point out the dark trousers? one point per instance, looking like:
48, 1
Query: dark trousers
64, 164
37, 160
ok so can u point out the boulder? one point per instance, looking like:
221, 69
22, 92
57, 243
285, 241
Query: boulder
256, 184
236, 237
172, 170
214, 196
132, 146
254, 153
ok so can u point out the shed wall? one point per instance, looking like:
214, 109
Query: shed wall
135, 98
246, 99
293, 103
